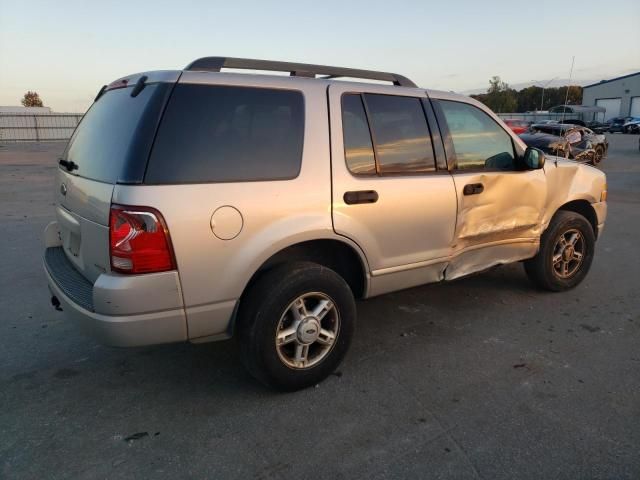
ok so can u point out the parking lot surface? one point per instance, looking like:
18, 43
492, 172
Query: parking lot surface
484, 377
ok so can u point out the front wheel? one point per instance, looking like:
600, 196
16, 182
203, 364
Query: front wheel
598, 155
566, 253
295, 325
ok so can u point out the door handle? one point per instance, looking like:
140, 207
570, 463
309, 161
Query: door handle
360, 196
473, 189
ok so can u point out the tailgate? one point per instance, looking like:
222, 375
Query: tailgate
82, 212
111, 145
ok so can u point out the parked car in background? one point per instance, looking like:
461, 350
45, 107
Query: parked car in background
573, 121
595, 126
598, 127
616, 124
583, 144
517, 126
632, 126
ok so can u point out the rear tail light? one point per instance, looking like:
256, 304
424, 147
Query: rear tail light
139, 241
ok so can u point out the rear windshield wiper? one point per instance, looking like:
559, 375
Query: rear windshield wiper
68, 164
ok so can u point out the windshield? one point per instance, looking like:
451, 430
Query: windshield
113, 140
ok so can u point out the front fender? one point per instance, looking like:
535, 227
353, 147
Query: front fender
569, 181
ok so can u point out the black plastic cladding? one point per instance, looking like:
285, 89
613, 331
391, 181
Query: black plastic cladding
215, 64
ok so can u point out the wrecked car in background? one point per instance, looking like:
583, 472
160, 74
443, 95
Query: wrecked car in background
578, 143
549, 144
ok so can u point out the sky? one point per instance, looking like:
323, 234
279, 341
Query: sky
66, 49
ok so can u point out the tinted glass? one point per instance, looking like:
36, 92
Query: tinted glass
358, 151
113, 139
400, 133
479, 142
224, 134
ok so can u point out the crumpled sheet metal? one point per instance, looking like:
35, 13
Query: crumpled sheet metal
491, 231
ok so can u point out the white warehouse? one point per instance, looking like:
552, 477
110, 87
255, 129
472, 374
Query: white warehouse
619, 96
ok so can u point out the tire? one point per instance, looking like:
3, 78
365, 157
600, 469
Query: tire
271, 308
542, 270
598, 155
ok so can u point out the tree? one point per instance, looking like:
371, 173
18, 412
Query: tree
499, 97
31, 99
529, 99
503, 99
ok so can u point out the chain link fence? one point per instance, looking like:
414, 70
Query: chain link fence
539, 117
29, 127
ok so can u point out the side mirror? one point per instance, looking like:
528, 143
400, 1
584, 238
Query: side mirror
533, 158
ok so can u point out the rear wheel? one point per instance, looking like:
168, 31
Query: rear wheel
295, 325
566, 253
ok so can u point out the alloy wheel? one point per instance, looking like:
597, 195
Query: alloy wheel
307, 330
568, 253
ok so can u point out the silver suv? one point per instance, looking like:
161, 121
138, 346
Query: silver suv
195, 205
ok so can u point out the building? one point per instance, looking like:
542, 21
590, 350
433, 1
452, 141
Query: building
25, 110
619, 96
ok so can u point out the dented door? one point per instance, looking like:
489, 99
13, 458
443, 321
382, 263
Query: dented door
500, 224
500, 205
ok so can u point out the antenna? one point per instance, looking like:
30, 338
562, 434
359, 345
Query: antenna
566, 97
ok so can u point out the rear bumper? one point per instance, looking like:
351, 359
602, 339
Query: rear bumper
121, 310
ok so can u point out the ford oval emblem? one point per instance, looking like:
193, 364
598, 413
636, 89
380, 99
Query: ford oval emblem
63, 189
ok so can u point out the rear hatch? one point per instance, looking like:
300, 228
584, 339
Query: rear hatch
111, 145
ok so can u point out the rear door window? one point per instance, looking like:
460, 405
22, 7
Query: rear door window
400, 133
212, 133
358, 149
389, 136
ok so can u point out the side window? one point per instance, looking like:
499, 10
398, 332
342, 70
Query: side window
401, 135
213, 133
358, 150
479, 142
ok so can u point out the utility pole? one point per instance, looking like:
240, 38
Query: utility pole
543, 88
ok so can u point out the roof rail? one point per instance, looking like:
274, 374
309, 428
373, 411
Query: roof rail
215, 64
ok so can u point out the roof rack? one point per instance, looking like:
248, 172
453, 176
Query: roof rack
215, 64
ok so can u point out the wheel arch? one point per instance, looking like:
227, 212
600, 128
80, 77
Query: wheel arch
584, 208
342, 257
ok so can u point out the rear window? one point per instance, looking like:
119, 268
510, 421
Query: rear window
112, 142
213, 133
